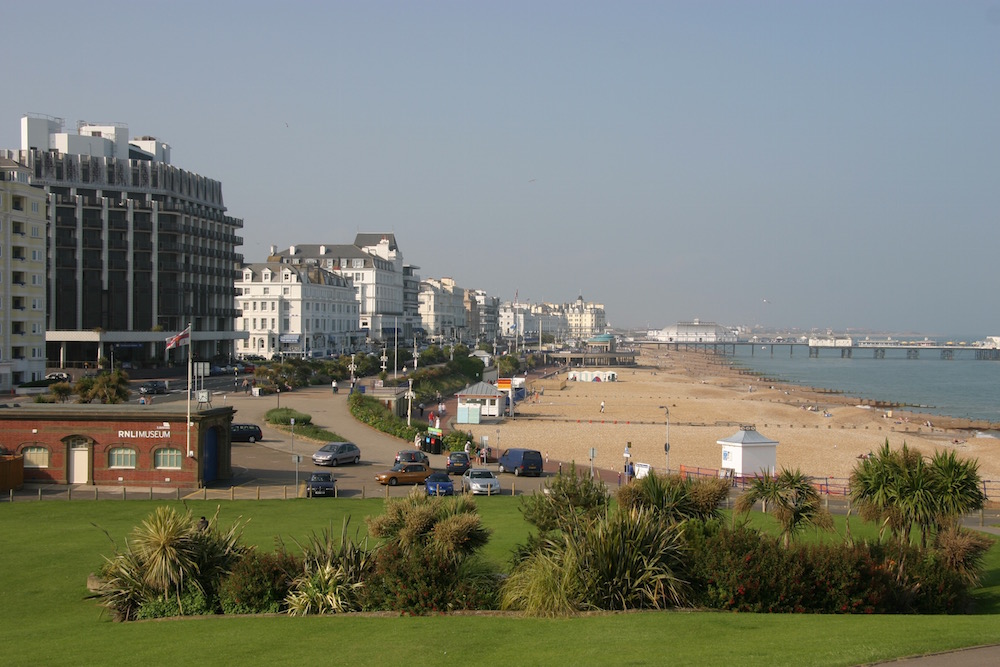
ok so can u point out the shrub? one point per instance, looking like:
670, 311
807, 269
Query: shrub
285, 415
623, 560
376, 415
259, 583
567, 497
421, 580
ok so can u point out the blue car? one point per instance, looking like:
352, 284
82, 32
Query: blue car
439, 484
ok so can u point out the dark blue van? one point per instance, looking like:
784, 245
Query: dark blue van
521, 462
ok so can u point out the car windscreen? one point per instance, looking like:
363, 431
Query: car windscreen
481, 474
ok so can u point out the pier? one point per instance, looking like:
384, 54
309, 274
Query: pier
844, 348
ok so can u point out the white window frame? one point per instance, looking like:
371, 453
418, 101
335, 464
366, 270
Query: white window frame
122, 458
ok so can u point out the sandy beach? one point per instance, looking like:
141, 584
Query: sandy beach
820, 433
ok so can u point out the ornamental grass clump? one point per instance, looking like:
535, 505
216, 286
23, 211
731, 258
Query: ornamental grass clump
171, 565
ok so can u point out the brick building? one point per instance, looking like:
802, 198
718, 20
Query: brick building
140, 445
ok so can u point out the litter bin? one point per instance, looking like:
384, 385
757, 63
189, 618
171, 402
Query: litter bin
435, 445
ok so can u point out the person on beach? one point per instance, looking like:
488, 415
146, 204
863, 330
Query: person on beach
602, 407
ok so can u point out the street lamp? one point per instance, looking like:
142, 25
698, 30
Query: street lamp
409, 402
666, 444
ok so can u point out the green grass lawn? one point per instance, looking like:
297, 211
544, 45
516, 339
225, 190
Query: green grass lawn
48, 548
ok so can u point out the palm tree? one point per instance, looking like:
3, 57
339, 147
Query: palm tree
957, 486
900, 489
793, 501
875, 489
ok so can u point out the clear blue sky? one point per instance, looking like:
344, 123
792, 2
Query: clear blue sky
671, 160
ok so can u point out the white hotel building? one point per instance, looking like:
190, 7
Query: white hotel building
22, 277
295, 311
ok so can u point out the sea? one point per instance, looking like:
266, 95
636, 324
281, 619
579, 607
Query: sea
963, 387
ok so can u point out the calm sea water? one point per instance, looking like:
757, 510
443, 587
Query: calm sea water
961, 387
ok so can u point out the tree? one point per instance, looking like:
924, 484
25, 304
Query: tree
110, 387
900, 488
791, 499
507, 365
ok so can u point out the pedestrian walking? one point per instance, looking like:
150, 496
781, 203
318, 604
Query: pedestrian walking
602, 407
333, 386
468, 447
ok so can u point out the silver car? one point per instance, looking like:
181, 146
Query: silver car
335, 453
480, 481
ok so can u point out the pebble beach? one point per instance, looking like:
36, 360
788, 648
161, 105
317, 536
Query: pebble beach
820, 433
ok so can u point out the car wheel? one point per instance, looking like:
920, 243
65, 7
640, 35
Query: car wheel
392, 481
517, 472
357, 459
333, 462
500, 468
251, 439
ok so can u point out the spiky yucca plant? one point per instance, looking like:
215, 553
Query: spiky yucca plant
628, 559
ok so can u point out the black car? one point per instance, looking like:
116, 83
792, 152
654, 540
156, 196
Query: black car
458, 463
153, 387
321, 484
412, 456
245, 433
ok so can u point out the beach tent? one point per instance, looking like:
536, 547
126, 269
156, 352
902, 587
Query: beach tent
747, 453
479, 400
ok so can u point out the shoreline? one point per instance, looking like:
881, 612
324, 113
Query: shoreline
820, 432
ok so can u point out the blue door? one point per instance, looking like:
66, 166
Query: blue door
210, 458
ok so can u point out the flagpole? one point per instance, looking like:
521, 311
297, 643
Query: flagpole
190, 366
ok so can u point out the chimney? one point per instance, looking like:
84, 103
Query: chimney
322, 250
291, 250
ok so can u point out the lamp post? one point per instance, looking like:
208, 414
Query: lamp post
384, 359
666, 444
409, 402
353, 367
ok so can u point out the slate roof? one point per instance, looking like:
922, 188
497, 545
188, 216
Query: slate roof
749, 438
480, 389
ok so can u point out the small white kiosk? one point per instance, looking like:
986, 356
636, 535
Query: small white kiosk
480, 400
747, 453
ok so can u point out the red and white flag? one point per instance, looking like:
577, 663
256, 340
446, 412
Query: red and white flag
183, 338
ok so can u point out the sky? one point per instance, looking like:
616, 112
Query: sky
818, 165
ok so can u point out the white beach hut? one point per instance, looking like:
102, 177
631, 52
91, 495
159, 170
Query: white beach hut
480, 400
748, 453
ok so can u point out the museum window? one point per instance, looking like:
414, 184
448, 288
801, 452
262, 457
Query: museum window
167, 458
35, 457
121, 457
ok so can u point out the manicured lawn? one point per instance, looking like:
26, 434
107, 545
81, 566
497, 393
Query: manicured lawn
48, 548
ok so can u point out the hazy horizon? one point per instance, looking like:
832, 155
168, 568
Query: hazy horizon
776, 164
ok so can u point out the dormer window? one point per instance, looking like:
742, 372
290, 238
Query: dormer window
248, 276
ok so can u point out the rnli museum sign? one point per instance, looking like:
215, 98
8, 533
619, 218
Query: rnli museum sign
163, 431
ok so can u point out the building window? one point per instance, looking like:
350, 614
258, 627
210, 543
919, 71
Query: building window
121, 457
35, 457
167, 458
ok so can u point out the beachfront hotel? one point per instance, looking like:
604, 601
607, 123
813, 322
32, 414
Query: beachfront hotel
22, 277
296, 310
136, 247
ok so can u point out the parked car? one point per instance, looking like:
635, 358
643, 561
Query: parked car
335, 453
521, 462
245, 433
439, 484
59, 377
321, 484
458, 463
480, 481
412, 456
405, 473
153, 387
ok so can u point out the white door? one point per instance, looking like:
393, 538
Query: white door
79, 464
